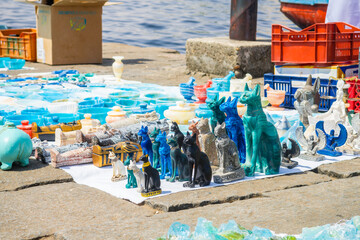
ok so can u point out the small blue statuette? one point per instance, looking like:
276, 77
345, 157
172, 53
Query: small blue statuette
235, 126
165, 159
332, 142
146, 144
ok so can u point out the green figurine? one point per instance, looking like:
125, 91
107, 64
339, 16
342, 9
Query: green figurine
131, 180
218, 116
263, 149
155, 148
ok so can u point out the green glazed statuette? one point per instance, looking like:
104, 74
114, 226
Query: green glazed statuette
263, 149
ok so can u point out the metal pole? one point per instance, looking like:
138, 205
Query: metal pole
243, 20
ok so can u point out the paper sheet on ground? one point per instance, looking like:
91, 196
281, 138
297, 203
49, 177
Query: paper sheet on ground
100, 178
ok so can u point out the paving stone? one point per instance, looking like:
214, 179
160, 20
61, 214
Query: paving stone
36, 173
46, 210
284, 211
343, 169
233, 192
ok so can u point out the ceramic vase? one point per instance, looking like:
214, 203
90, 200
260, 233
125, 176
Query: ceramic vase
118, 67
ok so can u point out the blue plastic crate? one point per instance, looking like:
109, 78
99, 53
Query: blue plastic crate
291, 83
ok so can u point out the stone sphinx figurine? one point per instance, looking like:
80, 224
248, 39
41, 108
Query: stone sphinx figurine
307, 100
229, 167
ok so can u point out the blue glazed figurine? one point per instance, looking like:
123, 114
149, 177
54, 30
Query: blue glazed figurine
235, 126
165, 160
187, 90
131, 180
263, 149
332, 142
218, 116
146, 144
16, 146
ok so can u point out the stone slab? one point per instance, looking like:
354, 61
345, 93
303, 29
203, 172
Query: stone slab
343, 169
46, 210
284, 211
219, 55
233, 192
36, 173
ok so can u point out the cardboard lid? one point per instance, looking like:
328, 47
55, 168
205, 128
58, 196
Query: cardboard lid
58, 3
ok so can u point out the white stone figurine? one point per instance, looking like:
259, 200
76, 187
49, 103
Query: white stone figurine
119, 171
352, 145
238, 85
336, 114
311, 145
139, 175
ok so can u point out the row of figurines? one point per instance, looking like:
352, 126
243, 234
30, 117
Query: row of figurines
179, 159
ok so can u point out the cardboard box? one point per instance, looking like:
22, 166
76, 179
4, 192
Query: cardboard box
69, 31
335, 71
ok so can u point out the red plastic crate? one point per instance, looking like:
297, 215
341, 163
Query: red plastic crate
321, 43
354, 93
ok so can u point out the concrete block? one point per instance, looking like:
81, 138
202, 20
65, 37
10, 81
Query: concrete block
219, 55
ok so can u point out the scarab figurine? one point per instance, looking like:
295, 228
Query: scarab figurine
263, 150
179, 162
16, 146
152, 178
289, 153
198, 161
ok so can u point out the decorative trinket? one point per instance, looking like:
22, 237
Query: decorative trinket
282, 126
193, 128
235, 126
152, 179
131, 180
119, 171
262, 140
311, 145
139, 176
181, 113
229, 167
332, 142
165, 159
179, 136
16, 146
187, 90
207, 141
218, 115
198, 162
307, 100
71, 155
155, 148
118, 67
146, 143
48, 132
179, 162
67, 138
288, 154
275, 98
115, 115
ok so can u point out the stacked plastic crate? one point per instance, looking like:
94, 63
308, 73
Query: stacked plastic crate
329, 51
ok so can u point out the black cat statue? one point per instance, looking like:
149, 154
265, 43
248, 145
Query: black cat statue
152, 178
202, 169
179, 136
